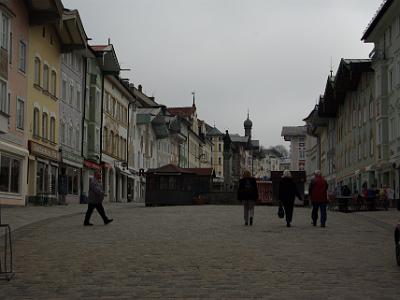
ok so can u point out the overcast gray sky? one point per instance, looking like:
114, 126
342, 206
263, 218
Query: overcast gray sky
269, 56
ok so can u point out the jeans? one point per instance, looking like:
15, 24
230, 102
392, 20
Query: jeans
248, 206
314, 214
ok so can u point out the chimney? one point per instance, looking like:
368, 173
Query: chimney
140, 88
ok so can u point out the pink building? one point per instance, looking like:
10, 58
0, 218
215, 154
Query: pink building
14, 34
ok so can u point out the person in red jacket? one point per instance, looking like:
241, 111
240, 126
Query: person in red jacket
318, 194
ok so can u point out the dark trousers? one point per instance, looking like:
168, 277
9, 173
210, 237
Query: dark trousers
99, 208
314, 214
288, 207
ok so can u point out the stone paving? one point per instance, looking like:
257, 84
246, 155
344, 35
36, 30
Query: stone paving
205, 252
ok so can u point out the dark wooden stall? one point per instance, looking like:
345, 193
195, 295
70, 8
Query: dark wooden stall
171, 185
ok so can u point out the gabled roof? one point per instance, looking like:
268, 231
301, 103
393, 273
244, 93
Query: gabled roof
289, 131
184, 112
200, 171
106, 58
44, 11
376, 19
214, 132
72, 33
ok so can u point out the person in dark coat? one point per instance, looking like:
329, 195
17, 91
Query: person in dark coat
287, 193
248, 194
318, 191
95, 200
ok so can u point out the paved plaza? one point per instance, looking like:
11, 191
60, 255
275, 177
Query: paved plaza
198, 252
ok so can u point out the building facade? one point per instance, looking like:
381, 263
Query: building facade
14, 33
296, 135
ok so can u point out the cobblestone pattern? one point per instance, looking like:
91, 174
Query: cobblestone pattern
204, 252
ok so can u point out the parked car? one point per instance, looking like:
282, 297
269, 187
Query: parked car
397, 243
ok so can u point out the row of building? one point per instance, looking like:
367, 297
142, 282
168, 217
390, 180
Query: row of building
66, 112
353, 133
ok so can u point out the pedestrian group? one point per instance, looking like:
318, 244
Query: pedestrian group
248, 194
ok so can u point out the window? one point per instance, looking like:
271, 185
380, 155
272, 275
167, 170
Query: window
70, 135
62, 132
105, 139
390, 80
392, 133
36, 122
371, 144
5, 31
3, 97
107, 102
20, 114
22, 56
219, 161
77, 139
84, 133
53, 129
97, 137
371, 108
37, 71
111, 149
114, 104
64, 90
10, 171
78, 100
54, 83
46, 77
71, 94
44, 125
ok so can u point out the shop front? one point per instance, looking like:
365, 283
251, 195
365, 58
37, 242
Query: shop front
13, 166
43, 174
70, 177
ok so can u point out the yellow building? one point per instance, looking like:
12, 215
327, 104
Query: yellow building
49, 35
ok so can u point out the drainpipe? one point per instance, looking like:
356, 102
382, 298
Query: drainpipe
101, 114
83, 117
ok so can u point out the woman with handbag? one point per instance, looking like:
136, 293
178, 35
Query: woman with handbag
248, 194
287, 193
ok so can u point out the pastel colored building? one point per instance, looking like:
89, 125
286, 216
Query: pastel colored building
14, 69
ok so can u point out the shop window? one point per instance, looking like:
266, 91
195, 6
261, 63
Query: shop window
10, 169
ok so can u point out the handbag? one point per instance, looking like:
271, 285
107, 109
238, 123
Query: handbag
281, 212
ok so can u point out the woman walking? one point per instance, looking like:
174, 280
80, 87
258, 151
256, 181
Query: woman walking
248, 194
287, 192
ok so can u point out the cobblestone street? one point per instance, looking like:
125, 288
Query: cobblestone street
205, 252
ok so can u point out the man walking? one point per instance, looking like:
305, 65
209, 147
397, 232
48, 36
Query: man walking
96, 196
318, 194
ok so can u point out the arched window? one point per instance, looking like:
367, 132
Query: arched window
44, 126
36, 122
46, 77
37, 71
54, 83
105, 139
53, 129
111, 149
